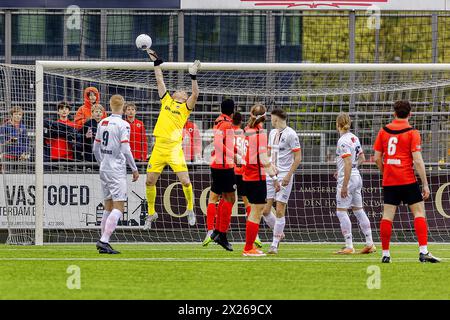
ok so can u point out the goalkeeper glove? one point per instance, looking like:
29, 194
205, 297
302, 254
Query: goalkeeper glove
193, 69
154, 57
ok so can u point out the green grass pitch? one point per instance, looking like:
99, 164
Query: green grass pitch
188, 271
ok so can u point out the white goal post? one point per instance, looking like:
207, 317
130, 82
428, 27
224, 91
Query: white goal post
42, 67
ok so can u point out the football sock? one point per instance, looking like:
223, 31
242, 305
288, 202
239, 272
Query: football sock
218, 215
225, 216
278, 230
150, 191
251, 231
210, 216
364, 224
270, 219
189, 195
104, 218
420, 225
346, 228
111, 224
385, 234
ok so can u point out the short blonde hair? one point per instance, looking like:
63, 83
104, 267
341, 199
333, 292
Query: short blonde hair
97, 106
116, 102
15, 109
343, 121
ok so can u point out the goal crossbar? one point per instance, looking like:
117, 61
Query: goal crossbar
209, 66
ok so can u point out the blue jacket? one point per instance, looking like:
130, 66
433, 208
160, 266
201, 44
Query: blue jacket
18, 147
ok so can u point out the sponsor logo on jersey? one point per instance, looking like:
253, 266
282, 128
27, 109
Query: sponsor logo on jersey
173, 111
105, 123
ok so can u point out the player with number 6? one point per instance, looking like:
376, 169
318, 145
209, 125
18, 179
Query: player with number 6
397, 151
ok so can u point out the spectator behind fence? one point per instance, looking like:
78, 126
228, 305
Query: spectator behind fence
192, 142
89, 131
60, 148
138, 137
13, 137
84, 113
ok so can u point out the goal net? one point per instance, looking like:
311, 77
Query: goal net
50, 181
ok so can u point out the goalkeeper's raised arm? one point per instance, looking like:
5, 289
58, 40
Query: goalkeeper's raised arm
179, 95
195, 91
158, 72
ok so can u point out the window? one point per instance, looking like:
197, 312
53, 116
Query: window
36, 35
288, 38
120, 30
252, 30
31, 29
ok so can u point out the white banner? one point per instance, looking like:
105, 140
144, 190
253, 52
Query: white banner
70, 201
412, 5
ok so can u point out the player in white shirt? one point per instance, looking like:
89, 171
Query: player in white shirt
285, 155
113, 153
349, 155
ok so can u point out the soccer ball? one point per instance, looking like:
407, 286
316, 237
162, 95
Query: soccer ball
143, 42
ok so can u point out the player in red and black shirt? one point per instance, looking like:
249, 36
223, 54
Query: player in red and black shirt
257, 162
223, 181
239, 142
397, 152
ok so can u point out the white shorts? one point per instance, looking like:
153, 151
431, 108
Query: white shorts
114, 186
354, 197
284, 193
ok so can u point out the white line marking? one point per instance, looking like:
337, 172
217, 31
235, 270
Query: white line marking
199, 248
352, 260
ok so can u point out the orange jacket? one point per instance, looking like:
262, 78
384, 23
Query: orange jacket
84, 112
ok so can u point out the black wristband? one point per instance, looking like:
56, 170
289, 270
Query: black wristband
193, 76
158, 62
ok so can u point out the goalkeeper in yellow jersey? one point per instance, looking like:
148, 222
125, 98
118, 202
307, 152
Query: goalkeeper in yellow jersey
168, 132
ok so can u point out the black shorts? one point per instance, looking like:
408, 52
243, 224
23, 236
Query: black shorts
408, 194
256, 191
240, 185
222, 180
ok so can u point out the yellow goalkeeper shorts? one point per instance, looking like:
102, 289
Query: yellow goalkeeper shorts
166, 152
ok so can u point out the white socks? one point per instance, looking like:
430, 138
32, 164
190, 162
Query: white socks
423, 249
110, 225
278, 230
270, 219
364, 224
104, 218
346, 228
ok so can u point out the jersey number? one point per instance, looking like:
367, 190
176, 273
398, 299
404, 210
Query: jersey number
105, 138
392, 145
